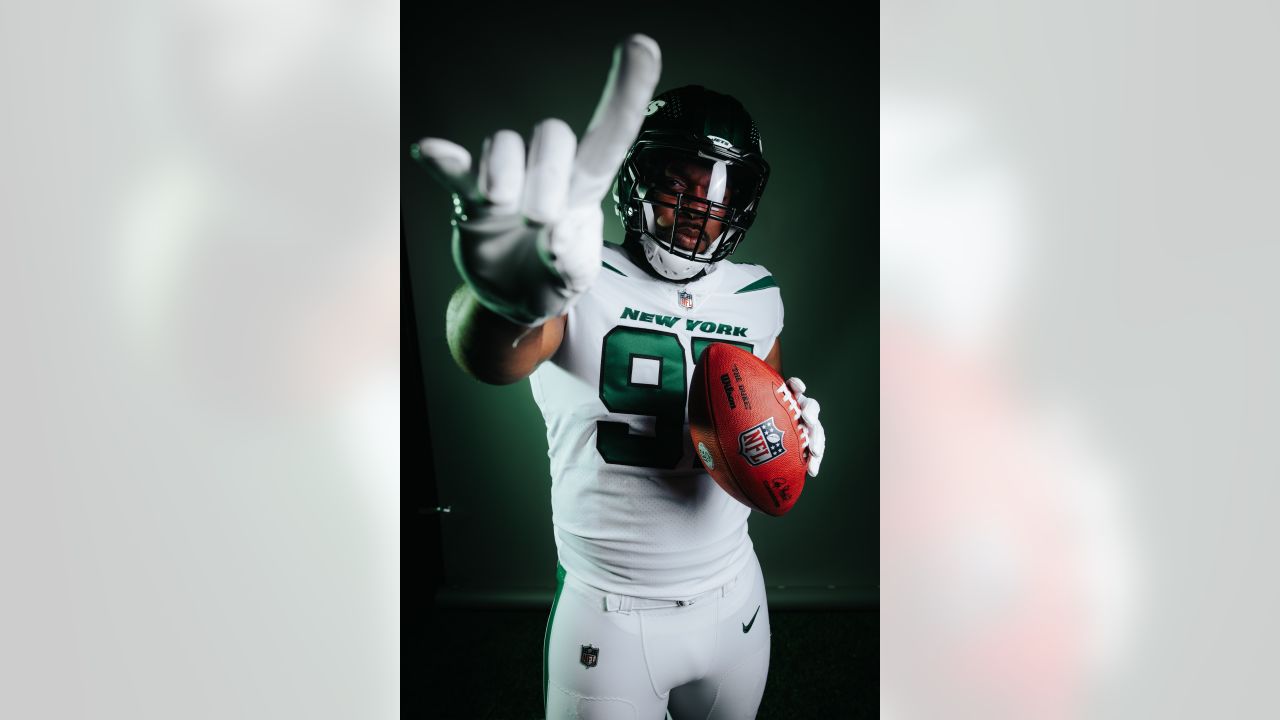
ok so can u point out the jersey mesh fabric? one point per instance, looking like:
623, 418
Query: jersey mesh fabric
657, 532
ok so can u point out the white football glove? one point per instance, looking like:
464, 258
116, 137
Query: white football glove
810, 426
528, 232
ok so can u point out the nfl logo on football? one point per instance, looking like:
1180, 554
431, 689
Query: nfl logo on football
686, 300
761, 443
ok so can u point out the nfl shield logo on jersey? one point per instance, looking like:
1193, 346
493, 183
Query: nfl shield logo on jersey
590, 656
761, 443
686, 300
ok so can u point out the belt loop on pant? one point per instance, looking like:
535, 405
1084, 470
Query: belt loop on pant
626, 603
618, 603
728, 587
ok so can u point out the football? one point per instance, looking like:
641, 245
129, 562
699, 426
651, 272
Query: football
744, 424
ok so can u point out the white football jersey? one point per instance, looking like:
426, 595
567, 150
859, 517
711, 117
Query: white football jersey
632, 508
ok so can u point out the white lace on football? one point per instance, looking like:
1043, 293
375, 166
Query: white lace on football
795, 413
789, 399
790, 402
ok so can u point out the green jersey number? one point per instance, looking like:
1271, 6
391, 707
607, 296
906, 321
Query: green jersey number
642, 372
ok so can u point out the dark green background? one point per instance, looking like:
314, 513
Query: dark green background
811, 87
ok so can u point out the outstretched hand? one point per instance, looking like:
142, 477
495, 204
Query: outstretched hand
528, 229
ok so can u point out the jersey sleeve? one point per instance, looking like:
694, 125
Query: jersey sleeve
777, 329
781, 317
758, 280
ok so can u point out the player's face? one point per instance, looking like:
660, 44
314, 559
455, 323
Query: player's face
697, 182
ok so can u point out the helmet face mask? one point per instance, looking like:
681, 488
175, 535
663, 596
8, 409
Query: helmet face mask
668, 196
696, 167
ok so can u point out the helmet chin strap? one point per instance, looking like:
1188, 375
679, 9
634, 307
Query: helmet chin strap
671, 266
664, 262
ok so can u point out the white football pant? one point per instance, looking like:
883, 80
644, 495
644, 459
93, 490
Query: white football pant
609, 657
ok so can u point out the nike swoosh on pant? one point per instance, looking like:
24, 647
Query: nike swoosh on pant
746, 627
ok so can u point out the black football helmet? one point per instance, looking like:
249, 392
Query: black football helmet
714, 131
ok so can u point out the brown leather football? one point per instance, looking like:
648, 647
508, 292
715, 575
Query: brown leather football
744, 424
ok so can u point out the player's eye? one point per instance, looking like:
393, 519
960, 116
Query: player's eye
674, 183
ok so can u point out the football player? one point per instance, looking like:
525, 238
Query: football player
660, 602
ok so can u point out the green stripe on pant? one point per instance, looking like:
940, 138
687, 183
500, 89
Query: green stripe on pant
546, 639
